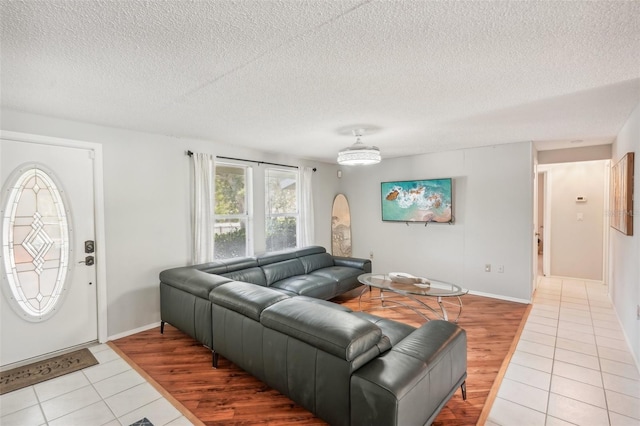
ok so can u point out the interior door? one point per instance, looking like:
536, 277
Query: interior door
534, 248
35, 268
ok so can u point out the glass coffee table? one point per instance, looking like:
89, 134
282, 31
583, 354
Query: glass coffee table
444, 294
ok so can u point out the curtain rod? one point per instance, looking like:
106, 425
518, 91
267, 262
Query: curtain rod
190, 153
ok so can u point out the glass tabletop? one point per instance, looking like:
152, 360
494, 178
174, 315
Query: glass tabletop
435, 288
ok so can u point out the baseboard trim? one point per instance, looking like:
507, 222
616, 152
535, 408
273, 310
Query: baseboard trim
497, 296
134, 331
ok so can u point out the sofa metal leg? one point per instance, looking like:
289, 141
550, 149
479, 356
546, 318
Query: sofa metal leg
463, 387
216, 355
161, 327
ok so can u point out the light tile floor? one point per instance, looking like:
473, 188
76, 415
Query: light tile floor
572, 365
110, 393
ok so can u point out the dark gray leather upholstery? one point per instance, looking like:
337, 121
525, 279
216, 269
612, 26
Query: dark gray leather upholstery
309, 271
269, 316
184, 301
308, 285
251, 275
248, 299
339, 364
414, 380
282, 270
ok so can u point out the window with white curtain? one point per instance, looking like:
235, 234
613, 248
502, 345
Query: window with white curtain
233, 212
281, 210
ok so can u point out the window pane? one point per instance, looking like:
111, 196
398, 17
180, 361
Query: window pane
35, 243
281, 192
230, 238
230, 190
281, 233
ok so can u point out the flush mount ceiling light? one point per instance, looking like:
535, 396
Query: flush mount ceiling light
359, 154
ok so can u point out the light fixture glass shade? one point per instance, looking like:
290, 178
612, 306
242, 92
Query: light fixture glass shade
359, 155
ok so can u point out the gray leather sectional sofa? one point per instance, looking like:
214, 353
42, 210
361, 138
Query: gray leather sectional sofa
309, 271
348, 368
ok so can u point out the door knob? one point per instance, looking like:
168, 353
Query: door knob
89, 260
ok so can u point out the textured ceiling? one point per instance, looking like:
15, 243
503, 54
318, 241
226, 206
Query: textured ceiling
297, 76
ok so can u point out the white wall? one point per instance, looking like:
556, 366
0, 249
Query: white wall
147, 210
625, 250
493, 219
576, 245
568, 155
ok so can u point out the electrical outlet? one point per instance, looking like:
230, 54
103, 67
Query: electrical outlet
501, 269
487, 268
371, 255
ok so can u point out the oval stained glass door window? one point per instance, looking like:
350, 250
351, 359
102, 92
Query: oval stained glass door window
35, 243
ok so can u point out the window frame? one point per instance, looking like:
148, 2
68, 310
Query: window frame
267, 212
248, 216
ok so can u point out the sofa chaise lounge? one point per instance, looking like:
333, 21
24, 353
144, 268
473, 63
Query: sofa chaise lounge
348, 368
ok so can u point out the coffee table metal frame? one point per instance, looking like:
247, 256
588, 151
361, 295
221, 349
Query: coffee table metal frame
437, 289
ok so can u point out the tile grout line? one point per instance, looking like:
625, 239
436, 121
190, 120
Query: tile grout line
604, 391
44, 416
101, 398
170, 398
553, 359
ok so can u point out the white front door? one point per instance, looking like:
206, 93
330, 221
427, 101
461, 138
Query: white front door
48, 301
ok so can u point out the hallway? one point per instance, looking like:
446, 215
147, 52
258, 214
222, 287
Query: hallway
572, 365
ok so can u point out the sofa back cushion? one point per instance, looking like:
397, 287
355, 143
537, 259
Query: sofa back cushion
215, 267
280, 270
250, 275
316, 261
274, 257
306, 251
239, 263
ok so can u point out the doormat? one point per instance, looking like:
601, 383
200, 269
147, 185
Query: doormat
21, 377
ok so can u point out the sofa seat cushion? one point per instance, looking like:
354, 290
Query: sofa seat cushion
324, 327
337, 273
245, 298
192, 281
308, 285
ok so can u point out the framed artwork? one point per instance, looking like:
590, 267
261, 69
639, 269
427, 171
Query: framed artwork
427, 200
622, 195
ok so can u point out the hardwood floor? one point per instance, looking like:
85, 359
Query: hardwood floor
229, 396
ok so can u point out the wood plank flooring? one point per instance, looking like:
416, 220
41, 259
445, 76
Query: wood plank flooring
229, 396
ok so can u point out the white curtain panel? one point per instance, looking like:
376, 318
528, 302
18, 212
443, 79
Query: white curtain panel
204, 179
306, 208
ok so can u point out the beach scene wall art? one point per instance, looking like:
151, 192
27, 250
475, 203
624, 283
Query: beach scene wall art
427, 200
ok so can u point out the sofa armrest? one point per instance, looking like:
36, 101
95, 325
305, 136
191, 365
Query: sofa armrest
353, 262
413, 381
